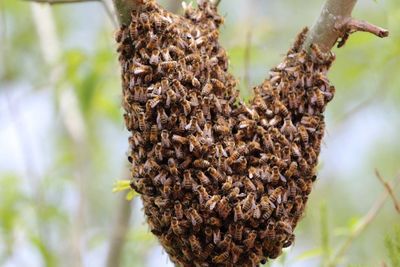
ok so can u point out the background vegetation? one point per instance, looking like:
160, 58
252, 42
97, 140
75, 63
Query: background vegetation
63, 142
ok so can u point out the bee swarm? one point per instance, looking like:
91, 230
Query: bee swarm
223, 183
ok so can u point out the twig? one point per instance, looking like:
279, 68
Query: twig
364, 222
120, 228
337, 14
389, 190
110, 13
124, 9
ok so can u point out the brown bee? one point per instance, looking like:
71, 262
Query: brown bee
203, 195
216, 175
203, 178
180, 139
142, 123
178, 210
303, 134
223, 207
221, 258
207, 89
186, 107
249, 202
227, 185
226, 242
276, 195
215, 222
249, 185
176, 228
194, 144
195, 244
187, 180
162, 118
195, 217
201, 164
238, 213
249, 241
145, 21
158, 151
133, 31
173, 170
175, 50
212, 202
154, 134
171, 97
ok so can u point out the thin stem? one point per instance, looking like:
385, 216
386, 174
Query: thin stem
364, 222
120, 229
389, 190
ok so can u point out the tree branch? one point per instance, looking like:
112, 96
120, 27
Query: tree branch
124, 8
120, 229
335, 22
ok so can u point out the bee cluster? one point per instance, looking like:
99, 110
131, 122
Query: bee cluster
223, 183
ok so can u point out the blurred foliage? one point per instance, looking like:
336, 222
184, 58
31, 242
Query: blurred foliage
53, 187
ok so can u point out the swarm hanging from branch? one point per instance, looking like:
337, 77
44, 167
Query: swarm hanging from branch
223, 183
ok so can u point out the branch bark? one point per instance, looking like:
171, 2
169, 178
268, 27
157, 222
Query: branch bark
123, 8
335, 22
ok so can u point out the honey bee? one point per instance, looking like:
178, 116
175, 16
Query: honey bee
267, 207
145, 21
256, 212
216, 175
303, 134
143, 54
165, 142
141, 70
203, 195
195, 217
168, 66
221, 258
304, 167
236, 252
171, 97
208, 232
206, 107
215, 222
194, 144
187, 108
133, 32
226, 242
238, 213
280, 108
185, 164
201, 164
158, 151
288, 128
236, 231
249, 201
187, 253
289, 241
178, 210
251, 238
293, 100
175, 50
299, 41
227, 186
180, 139
142, 122
203, 178
223, 207
254, 258
193, 126
187, 180
240, 151
212, 202
249, 185
173, 170
154, 134
162, 118
207, 89
176, 228
276, 195
194, 244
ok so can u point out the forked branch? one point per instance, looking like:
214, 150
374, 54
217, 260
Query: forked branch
335, 22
